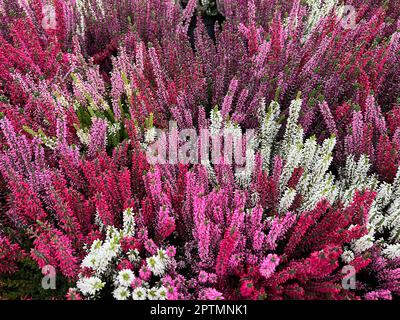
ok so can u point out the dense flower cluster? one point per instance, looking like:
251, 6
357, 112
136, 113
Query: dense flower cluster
84, 86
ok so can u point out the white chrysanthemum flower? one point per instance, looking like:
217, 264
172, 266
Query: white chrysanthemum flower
125, 277
90, 286
101, 254
139, 293
121, 293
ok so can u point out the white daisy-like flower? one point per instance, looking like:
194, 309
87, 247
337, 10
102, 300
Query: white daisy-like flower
156, 265
152, 294
125, 277
162, 254
139, 294
90, 286
121, 293
162, 293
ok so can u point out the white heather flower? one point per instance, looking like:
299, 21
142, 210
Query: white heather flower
268, 131
83, 136
392, 251
150, 136
347, 256
101, 254
139, 294
129, 223
243, 175
216, 122
121, 293
114, 128
90, 286
125, 277
292, 160
363, 244
287, 200
133, 255
156, 265
317, 10
210, 171
293, 132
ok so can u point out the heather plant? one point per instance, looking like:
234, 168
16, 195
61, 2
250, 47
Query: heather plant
251, 233
84, 86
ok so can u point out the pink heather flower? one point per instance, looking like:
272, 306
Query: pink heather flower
136, 283
125, 264
227, 104
172, 293
151, 247
212, 278
203, 277
171, 251
278, 229
379, 295
211, 294
98, 137
145, 273
73, 295
166, 223
328, 118
247, 288
269, 265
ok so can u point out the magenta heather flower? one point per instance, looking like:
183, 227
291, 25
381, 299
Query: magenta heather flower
379, 295
268, 265
211, 294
